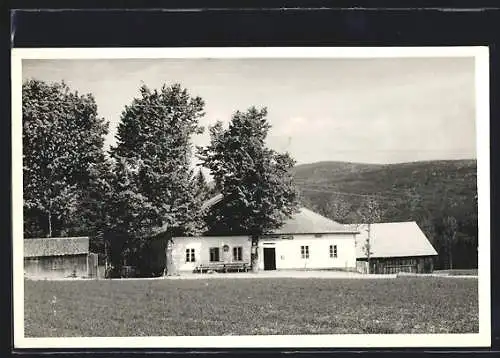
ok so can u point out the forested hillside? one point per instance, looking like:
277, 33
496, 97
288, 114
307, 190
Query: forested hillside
441, 196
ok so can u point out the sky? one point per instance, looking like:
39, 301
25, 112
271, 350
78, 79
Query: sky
357, 110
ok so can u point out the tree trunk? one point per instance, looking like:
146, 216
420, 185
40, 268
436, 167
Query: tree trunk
169, 265
450, 257
106, 261
165, 270
450, 251
255, 254
50, 224
368, 249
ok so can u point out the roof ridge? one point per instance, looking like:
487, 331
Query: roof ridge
320, 215
393, 222
56, 238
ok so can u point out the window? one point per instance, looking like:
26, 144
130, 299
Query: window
190, 255
304, 252
214, 254
238, 253
333, 250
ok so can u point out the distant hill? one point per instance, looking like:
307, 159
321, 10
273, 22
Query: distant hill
384, 179
427, 192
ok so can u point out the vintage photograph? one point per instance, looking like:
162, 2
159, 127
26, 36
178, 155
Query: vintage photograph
250, 196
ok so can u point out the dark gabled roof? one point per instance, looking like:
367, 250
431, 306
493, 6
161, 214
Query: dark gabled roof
212, 201
158, 230
150, 233
56, 246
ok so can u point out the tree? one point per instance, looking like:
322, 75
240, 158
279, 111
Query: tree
370, 214
131, 213
413, 201
63, 141
255, 181
337, 209
152, 185
450, 230
447, 224
94, 207
202, 190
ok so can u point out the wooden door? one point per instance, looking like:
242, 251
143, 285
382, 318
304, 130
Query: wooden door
269, 258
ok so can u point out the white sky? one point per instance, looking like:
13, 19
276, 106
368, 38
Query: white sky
358, 110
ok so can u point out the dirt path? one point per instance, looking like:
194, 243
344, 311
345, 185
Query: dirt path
280, 274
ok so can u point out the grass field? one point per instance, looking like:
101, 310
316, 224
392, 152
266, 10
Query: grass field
458, 272
250, 306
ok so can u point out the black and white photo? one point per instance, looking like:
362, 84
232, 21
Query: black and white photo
319, 197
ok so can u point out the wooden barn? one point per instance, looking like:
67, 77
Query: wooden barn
54, 258
395, 247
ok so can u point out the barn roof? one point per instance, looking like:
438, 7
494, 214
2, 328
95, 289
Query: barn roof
308, 222
56, 246
398, 239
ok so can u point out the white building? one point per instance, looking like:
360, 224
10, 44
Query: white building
189, 253
308, 241
305, 241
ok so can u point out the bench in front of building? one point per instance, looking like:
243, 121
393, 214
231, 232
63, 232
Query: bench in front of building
223, 267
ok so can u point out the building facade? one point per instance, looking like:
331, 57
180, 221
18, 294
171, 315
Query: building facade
189, 253
306, 241
308, 252
394, 247
55, 258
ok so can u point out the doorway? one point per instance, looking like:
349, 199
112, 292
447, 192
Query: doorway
269, 258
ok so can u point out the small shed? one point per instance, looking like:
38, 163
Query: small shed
395, 247
53, 258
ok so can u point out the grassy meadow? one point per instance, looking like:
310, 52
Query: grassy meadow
250, 307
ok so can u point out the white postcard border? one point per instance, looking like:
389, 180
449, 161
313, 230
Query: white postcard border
481, 339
